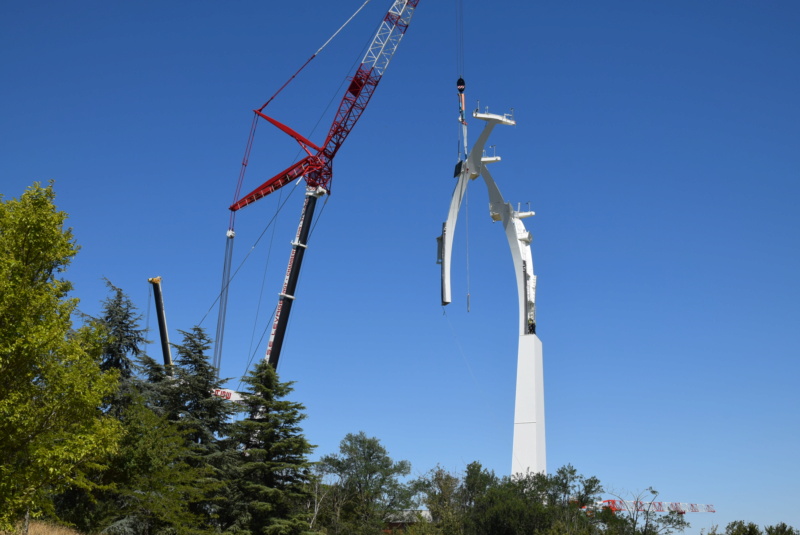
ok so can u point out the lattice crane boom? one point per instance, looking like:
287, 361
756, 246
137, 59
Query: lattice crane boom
656, 507
317, 168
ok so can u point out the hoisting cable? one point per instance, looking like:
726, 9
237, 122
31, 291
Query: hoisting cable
314, 55
461, 85
460, 37
255, 244
263, 285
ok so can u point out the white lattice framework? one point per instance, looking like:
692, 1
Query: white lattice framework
656, 507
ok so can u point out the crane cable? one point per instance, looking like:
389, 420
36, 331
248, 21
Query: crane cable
252, 248
314, 55
462, 119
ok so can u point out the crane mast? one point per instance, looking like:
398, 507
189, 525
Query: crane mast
162, 323
317, 166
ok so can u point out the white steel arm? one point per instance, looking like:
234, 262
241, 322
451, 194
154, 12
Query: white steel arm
519, 240
466, 170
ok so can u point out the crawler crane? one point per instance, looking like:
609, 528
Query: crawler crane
316, 167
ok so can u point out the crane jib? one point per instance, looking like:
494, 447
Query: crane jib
352, 105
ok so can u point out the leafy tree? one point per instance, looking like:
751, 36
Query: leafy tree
269, 471
781, 529
365, 486
149, 485
443, 496
738, 527
481, 503
52, 384
477, 481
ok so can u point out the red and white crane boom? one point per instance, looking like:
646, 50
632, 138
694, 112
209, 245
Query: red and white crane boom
655, 507
317, 166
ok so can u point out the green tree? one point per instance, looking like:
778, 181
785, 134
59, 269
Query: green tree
781, 529
739, 527
125, 337
203, 418
507, 509
481, 503
149, 485
160, 480
52, 385
188, 398
477, 481
269, 472
441, 493
365, 486
122, 347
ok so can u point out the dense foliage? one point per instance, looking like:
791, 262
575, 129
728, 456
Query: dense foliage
51, 383
97, 435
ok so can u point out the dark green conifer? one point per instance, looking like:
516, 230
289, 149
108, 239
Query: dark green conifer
270, 470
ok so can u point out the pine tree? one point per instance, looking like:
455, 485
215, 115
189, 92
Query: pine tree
123, 346
202, 418
125, 337
270, 470
190, 400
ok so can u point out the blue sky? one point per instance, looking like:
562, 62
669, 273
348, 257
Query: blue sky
657, 142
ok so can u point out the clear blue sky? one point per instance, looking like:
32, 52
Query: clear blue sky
658, 142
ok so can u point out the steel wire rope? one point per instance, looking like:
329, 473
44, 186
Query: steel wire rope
250, 251
315, 54
263, 282
486, 400
460, 38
